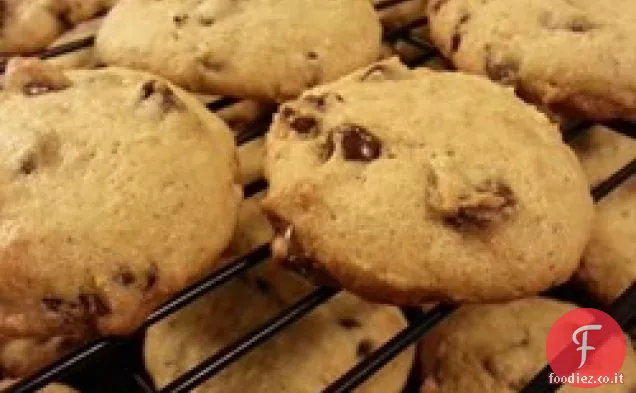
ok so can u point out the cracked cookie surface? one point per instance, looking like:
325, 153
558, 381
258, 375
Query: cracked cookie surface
573, 57
304, 358
31, 25
263, 49
117, 189
498, 348
414, 186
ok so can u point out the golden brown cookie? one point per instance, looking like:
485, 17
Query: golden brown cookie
263, 49
304, 358
498, 349
414, 186
574, 57
117, 190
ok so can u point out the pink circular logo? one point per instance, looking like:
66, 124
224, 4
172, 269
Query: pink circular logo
586, 348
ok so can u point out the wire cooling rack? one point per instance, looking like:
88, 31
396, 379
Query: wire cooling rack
96, 363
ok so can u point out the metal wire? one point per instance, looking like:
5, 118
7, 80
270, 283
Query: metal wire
378, 359
229, 355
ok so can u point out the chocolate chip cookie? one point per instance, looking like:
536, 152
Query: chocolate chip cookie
264, 49
609, 262
28, 26
498, 349
117, 189
571, 56
415, 186
304, 358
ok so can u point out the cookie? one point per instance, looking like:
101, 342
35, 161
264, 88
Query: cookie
117, 190
304, 358
53, 388
603, 152
263, 49
28, 26
409, 187
20, 357
540, 47
498, 348
609, 261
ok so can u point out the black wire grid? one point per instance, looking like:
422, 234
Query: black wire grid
79, 363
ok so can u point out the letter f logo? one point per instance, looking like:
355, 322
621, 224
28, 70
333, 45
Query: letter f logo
584, 348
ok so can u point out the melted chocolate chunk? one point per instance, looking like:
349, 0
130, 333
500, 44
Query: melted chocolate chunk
349, 323
491, 202
365, 347
124, 277
358, 144
303, 124
94, 304
167, 98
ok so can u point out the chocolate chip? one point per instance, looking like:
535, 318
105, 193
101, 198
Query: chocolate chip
179, 20
124, 277
152, 275
263, 285
437, 6
206, 20
358, 144
364, 349
492, 200
303, 124
168, 100
503, 70
94, 304
28, 165
52, 304
311, 55
349, 323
